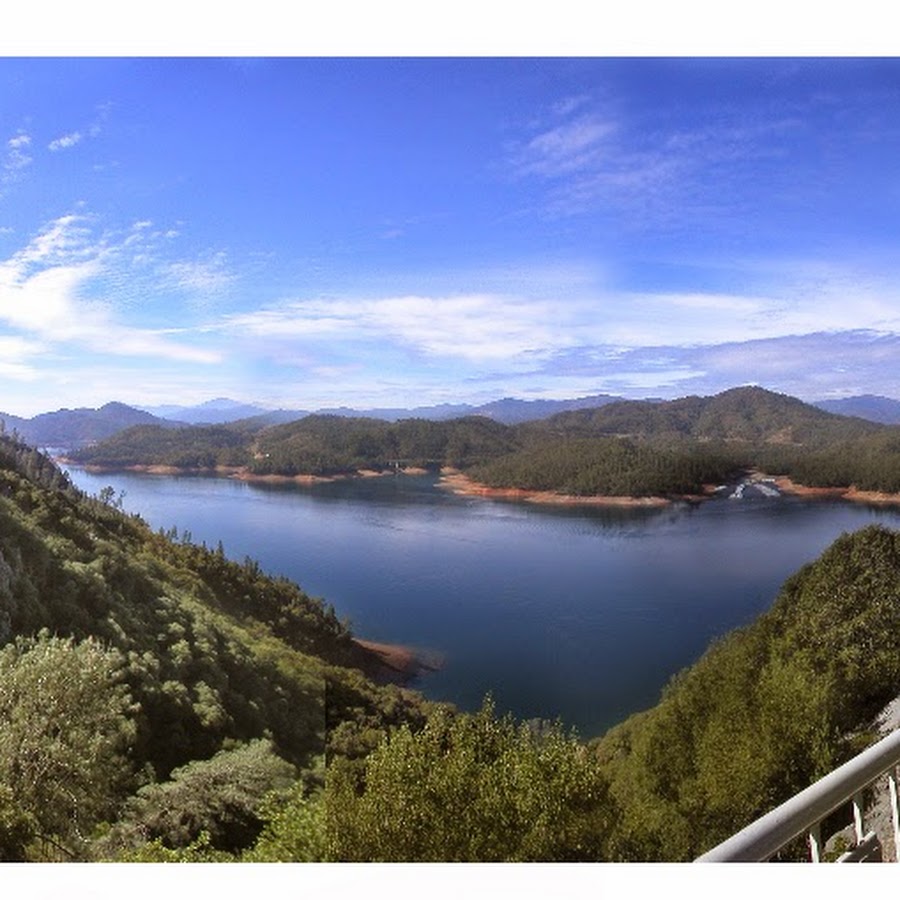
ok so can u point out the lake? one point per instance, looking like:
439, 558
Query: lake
578, 614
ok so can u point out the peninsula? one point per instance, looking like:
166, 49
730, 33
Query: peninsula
623, 453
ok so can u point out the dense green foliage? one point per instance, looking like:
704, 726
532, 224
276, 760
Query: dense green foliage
200, 447
608, 467
869, 463
314, 445
193, 654
64, 727
766, 710
470, 788
323, 445
219, 799
463, 788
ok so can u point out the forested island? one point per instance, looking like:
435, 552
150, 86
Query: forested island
213, 713
624, 449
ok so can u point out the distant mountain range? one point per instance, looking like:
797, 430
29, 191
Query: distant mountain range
509, 411
213, 412
74, 428
71, 428
865, 406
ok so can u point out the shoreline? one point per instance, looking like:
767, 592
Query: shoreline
464, 486
399, 662
460, 484
238, 473
851, 493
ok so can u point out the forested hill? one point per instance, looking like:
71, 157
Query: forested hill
313, 445
748, 414
634, 448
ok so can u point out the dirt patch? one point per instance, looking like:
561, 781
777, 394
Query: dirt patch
398, 662
786, 486
464, 486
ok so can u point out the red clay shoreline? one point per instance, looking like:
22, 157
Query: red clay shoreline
394, 663
461, 484
239, 473
852, 493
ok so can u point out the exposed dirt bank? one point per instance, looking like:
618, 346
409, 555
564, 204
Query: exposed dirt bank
239, 473
786, 486
396, 662
463, 485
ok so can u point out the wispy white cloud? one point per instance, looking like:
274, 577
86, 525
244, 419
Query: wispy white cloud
16, 159
208, 276
474, 327
94, 129
16, 357
594, 157
568, 105
802, 328
565, 149
591, 160
64, 142
43, 294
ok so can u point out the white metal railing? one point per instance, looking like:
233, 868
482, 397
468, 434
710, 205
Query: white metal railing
804, 812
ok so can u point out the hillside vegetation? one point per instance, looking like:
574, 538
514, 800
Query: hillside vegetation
160, 702
164, 653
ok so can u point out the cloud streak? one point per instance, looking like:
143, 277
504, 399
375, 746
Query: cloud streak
656, 175
42, 294
474, 327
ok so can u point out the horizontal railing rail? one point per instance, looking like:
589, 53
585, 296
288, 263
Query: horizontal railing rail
804, 812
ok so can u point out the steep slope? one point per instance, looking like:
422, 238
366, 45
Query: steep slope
767, 709
212, 652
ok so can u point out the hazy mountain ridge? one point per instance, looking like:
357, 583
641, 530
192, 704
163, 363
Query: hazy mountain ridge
72, 428
598, 413
873, 407
508, 410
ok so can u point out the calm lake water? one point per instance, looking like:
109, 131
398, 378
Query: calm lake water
577, 614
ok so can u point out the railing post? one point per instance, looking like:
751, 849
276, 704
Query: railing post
858, 817
895, 812
815, 843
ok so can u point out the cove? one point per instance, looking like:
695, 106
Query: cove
580, 614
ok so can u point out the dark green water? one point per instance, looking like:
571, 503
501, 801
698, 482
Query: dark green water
581, 615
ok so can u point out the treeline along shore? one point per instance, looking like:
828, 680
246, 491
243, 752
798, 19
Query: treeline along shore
627, 451
214, 713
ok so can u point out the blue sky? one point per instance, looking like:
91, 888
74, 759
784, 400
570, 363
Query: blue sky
311, 232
